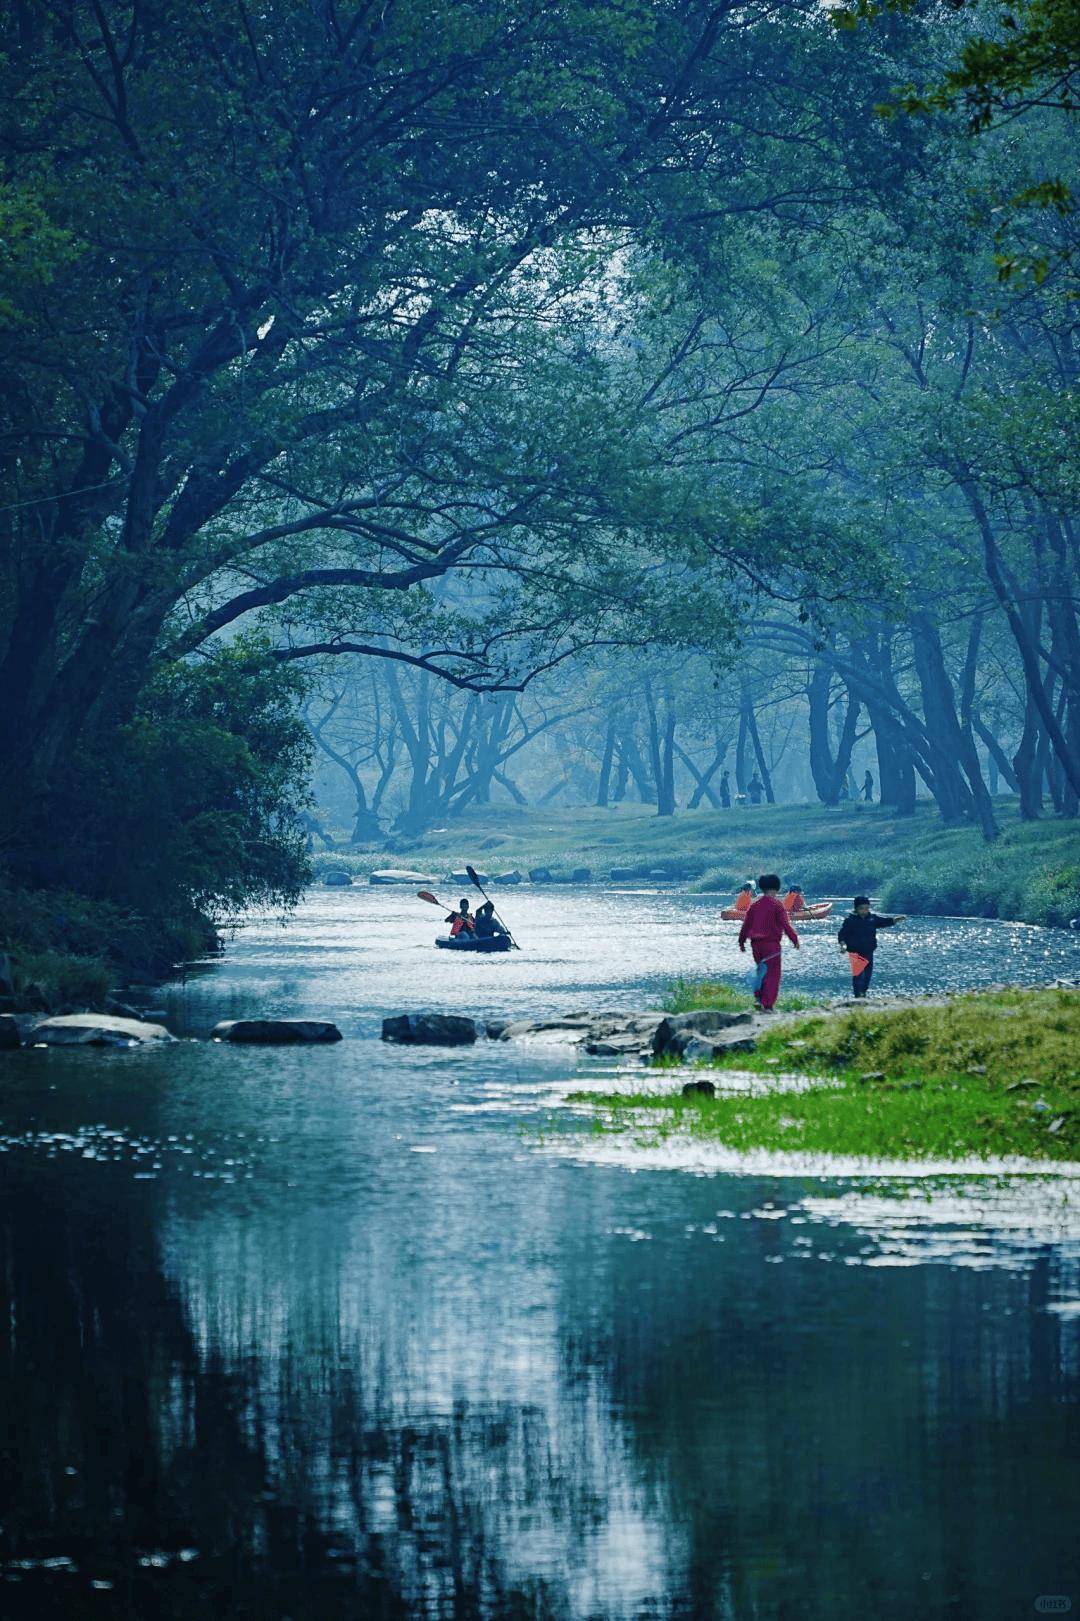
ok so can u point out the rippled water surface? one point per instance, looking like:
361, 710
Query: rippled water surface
344, 1332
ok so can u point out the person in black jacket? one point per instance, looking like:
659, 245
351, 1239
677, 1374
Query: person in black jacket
858, 935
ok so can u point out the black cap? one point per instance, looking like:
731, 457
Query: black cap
862, 900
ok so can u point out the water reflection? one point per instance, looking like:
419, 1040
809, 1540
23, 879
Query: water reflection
260, 1357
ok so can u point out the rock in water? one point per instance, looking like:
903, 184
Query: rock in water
675, 1033
10, 1036
400, 875
699, 1089
275, 1032
430, 1029
541, 875
95, 1030
581, 875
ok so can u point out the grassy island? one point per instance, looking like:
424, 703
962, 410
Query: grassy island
987, 1075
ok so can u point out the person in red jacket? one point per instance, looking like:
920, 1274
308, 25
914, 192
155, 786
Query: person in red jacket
765, 925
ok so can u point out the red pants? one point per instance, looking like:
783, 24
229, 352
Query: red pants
768, 949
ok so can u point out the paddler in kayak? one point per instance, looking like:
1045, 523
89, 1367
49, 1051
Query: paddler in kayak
487, 924
743, 899
794, 900
765, 925
858, 937
461, 921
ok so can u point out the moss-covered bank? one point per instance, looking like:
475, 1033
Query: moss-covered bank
985, 1075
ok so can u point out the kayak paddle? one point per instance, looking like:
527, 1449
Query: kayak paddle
474, 879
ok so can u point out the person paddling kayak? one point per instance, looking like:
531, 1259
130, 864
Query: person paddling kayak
487, 924
765, 925
858, 937
744, 898
461, 921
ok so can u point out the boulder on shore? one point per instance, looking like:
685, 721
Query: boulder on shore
674, 1034
399, 875
541, 875
430, 1029
276, 1032
603, 1034
513, 877
699, 1089
462, 877
581, 875
95, 1030
701, 1047
336, 879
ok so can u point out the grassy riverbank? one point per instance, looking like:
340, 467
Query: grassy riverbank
984, 1075
914, 864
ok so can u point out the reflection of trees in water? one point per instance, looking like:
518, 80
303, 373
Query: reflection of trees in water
825, 1434
326, 1434
423, 1408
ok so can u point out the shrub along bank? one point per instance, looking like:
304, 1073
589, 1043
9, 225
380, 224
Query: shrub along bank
188, 812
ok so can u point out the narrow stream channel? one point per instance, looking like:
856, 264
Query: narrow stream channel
342, 1332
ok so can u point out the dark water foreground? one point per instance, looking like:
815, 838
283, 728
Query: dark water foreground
339, 1333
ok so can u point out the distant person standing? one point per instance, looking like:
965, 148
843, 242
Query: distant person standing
845, 788
725, 790
755, 788
765, 925
868, 788
858, 937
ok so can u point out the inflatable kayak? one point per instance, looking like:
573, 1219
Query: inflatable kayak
809, 914
466, 942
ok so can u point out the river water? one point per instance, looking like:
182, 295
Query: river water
351, 1332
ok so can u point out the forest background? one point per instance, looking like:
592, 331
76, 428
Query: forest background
492, 404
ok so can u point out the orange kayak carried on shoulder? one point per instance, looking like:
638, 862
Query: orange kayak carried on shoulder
813, 913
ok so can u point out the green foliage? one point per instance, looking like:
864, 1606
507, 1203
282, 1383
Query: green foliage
181, 818
1027, 59
53, 979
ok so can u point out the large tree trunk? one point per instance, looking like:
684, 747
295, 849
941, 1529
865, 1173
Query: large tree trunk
759, 752
998, 576
603, 787
952, 749
702, 779
829, 770
662, 751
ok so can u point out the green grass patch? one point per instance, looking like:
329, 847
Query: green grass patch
685, 995
986, 1075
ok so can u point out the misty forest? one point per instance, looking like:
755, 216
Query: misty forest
548, 406
615, 461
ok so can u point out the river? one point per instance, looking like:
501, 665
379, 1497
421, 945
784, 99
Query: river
347, 1332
